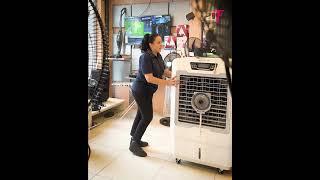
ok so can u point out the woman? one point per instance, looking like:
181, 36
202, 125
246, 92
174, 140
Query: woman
151, 71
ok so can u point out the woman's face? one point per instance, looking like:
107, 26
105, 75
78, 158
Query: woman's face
156, 46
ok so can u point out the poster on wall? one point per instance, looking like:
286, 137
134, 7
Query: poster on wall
170, 42
182, 30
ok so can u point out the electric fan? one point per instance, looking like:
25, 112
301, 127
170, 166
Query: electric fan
168, 62
169, 58
98, 64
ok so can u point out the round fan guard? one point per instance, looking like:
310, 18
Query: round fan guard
169, 58
98, 64
97, 60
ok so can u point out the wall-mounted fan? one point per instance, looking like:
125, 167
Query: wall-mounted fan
98, 64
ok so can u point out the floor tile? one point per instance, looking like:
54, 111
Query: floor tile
101, 157
130, 167
112, 160
101, 178
184, 171
225, 176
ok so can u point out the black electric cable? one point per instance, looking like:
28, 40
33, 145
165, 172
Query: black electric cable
146, 8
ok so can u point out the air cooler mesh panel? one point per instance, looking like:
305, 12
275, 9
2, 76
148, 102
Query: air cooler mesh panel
217, 87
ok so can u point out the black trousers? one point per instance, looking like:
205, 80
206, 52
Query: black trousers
144, 113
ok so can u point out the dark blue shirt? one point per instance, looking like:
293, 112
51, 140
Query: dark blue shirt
148, 63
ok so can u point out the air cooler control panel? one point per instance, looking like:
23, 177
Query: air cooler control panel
203, 66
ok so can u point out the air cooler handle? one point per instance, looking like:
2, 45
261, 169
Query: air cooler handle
204, 69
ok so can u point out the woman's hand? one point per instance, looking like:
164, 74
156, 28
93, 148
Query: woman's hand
151, 79
167, 73
172, 82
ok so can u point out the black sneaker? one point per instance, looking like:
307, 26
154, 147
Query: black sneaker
136, 149
141, 143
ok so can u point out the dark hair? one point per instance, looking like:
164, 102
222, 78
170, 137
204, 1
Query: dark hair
146, 40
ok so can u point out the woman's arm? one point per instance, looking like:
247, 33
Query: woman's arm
167, 73
151, 79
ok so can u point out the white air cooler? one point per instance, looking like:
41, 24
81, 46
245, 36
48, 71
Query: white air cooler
201, 122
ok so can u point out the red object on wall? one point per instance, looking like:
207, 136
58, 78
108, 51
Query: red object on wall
182, 30
170, 42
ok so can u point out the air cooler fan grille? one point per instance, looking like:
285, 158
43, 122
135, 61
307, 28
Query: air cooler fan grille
217, 87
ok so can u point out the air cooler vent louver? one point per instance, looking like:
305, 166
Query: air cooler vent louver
217, 87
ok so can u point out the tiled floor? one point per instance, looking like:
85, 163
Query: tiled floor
112, 160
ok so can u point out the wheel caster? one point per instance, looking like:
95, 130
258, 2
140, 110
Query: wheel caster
220, 171
178, 161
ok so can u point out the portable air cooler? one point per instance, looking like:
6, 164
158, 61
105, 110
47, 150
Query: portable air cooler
201, 125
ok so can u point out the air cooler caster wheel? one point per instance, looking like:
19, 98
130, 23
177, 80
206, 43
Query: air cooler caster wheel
220, 171
178, 161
